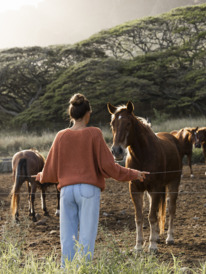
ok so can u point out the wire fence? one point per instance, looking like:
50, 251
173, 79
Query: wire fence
136, 192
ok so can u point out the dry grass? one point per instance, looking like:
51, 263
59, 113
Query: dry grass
11, 142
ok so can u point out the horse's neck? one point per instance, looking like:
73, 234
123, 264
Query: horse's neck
183, 134
144, 137
180, 134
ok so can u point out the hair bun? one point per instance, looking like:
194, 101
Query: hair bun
78, 106
77, 99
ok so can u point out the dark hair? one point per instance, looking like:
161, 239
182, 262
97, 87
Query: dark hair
78, 106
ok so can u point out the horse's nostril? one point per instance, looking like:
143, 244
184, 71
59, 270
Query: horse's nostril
117, 151
120, 150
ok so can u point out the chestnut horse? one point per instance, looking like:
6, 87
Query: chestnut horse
186, 138
157, 153
24, 164
201, 140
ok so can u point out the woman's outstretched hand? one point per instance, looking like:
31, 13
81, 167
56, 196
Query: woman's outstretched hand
142, 175
37, 177
33, 176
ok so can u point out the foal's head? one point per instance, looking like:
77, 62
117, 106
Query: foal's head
121, 124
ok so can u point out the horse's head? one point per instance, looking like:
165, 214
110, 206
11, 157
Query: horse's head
200, 136
191, 133
121, 124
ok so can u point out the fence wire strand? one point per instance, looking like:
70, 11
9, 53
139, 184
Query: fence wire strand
151, 173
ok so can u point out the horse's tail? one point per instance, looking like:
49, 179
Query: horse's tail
21, 170
162, 211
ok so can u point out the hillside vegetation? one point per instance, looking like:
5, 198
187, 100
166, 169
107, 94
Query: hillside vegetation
159, 63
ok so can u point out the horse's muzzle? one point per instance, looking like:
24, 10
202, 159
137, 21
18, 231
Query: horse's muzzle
118, 153
197, 145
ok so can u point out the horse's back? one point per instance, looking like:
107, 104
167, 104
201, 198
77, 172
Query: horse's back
174, 132
169, 141
172, 149
34, 160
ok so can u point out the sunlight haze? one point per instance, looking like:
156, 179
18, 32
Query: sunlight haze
26, 23
6, 5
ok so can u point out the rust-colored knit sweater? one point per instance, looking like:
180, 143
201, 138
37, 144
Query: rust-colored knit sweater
82, 156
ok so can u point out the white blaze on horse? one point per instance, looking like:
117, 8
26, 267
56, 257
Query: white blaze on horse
26, 163
156, 153
186, 137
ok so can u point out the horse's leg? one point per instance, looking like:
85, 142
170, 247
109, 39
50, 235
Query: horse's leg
57, 213
33, 191
204, 152
16, 200
137, 198
17, 208
43, 200
153, 220
29, 197
173, 194
189, 156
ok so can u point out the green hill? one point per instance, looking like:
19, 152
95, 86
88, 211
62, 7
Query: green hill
158, 63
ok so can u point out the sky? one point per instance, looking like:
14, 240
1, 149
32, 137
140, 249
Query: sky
6, 5
25, 23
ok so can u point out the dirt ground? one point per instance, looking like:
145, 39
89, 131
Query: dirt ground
116, 218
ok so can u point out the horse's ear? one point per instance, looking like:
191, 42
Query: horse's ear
111, 108
130, 107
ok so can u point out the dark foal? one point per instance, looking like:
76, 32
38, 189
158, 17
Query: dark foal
24, 164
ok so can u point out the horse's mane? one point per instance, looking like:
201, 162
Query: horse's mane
184, 131
146, 125
119, 109
144, 121
141, 119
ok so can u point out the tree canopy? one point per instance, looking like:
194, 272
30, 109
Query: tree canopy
158, 63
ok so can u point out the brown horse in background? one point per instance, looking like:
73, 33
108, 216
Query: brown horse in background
201, 140
159, 154
24, 164
186, 138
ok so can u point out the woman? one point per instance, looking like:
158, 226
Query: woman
79, 160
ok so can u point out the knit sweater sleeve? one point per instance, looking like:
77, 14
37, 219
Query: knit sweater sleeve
49, 173
107, 165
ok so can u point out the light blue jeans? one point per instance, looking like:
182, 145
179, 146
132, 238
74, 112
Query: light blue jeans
79, 216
